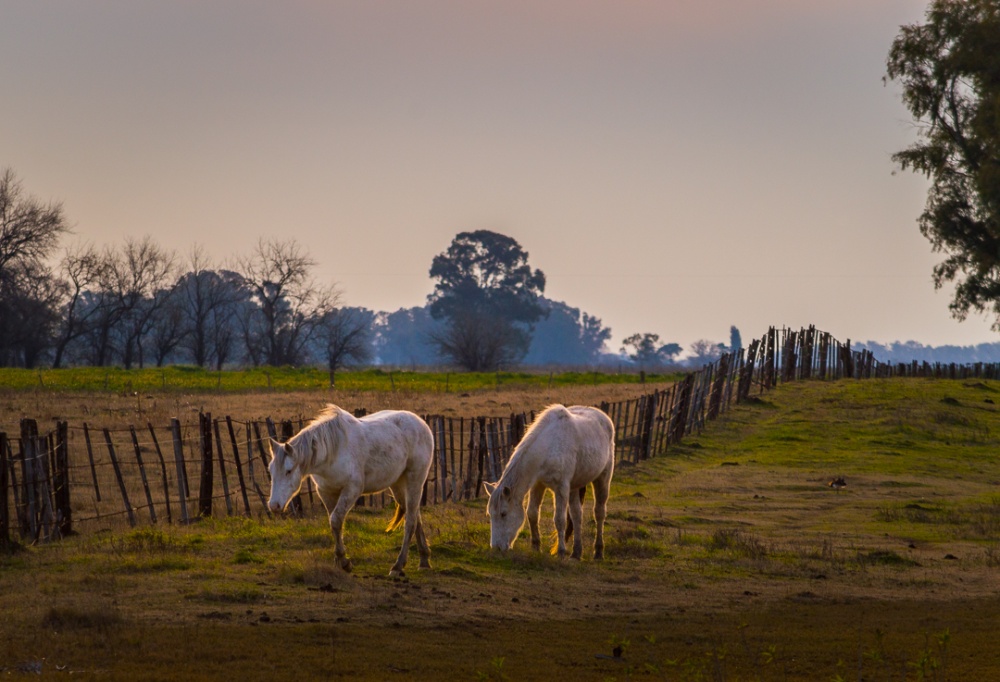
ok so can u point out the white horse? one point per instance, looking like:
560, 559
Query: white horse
564, 449
348, 457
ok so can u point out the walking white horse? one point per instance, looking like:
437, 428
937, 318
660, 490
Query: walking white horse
564, 449
348, 457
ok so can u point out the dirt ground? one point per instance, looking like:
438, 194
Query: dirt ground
114, 410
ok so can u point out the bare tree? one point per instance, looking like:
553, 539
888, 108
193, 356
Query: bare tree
277, 328
131, 291
208, 303
345, 335
29, 231
80, 268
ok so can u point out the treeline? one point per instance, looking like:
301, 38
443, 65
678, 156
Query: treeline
909, 351
138, 304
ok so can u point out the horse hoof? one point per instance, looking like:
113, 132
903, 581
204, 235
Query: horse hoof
347, 565
397, 573
425, 565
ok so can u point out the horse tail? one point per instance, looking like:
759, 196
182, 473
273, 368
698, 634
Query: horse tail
397, 518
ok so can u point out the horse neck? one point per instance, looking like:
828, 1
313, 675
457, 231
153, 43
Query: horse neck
326, 435
520, 473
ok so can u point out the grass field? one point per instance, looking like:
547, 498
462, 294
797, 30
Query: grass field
729, 558
180, 378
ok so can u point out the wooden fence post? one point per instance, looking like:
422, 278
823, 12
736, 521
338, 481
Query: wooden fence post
142, 474
207, 464
64, 512
182, 488
222, 468
648, 421
163, 471
90, 456
287, 431
4, 482
29, 443
260, 493
239, 466
118, 475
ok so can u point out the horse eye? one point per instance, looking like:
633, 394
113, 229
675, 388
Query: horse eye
503, 515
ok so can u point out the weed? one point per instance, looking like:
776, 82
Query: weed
494, 672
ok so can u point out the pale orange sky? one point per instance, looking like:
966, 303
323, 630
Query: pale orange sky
674, 167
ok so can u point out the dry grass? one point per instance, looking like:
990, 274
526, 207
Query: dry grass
115, 410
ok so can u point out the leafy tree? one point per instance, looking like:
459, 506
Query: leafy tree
949, 69
645, 350
735, 340
704, 352
567, 337
405, 337
489, 297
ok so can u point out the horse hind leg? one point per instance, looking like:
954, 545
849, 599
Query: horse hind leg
412, 526
560, 518
576, 518
602, 490
569, 520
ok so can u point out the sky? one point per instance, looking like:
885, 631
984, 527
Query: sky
672, 166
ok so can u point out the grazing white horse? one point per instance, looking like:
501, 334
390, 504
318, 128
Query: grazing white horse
564, 449
348, 457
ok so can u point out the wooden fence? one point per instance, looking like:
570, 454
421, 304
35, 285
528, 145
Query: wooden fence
86, 478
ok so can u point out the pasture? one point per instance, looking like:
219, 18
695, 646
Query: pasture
727, 558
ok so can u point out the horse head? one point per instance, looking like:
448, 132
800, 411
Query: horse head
506, 515
287, 471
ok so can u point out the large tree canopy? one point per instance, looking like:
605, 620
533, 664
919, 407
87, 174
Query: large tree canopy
949, 69
489, 296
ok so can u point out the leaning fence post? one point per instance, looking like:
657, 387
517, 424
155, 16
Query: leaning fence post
118, 475
182, 490
90, 456
163, 471
207, 470
239, 466
142, 474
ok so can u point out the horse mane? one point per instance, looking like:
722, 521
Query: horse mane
512, 472
327, 427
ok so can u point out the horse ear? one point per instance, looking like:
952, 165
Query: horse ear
275, 446
490, 487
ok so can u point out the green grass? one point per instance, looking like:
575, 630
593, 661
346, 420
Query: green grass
186, 378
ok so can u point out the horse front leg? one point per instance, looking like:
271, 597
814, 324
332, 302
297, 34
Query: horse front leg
534, 508
559, 516
345, 501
